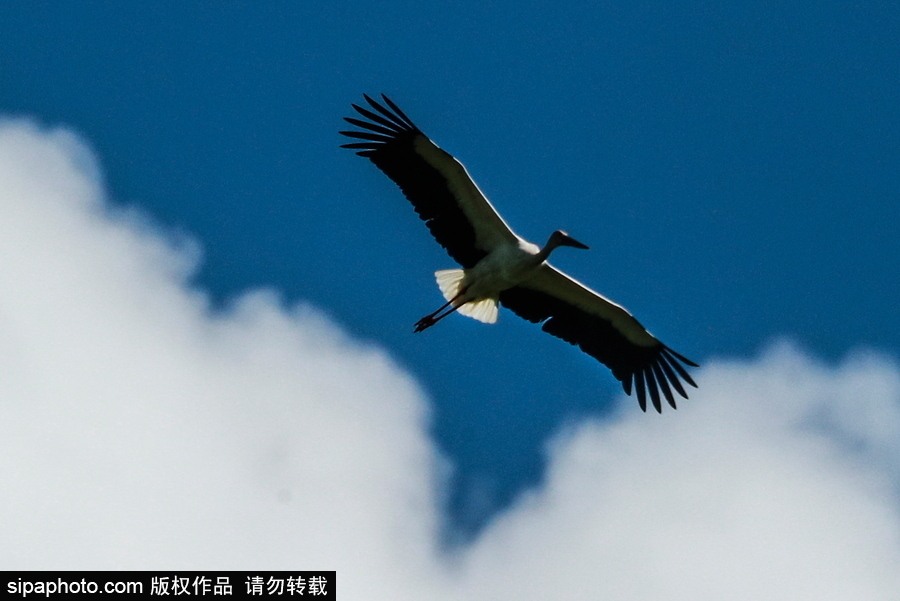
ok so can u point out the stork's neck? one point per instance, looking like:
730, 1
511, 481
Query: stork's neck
552, 243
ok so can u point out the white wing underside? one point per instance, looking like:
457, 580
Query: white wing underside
551, 281
491, 230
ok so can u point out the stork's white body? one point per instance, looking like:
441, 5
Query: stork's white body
501, 267
505, 267
476, 292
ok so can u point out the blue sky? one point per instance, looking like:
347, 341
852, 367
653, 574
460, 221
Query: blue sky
734, 166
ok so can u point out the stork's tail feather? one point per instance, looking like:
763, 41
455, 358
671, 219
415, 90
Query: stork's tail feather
484, 310
450, 283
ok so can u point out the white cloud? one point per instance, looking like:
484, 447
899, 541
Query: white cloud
751, 491
139, 429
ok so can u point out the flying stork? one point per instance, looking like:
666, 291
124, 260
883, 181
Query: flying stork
501, 267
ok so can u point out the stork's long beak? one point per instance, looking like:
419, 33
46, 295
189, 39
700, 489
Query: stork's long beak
568, 240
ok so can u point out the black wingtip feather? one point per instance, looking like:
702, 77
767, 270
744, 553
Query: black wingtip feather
664, 384
387, 113
654, 388
364, 135
671, 357
378, 118
370, 126
681, 357
399, 112
670, 375
626, 383
641, 391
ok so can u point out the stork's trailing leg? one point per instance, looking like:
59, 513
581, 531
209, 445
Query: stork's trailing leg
451, 283
432, 318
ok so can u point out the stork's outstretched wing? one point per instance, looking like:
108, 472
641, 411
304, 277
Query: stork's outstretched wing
464, 222
445, 197
602, 329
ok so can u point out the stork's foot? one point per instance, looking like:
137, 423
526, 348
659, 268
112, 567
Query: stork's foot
432, 318
425, 323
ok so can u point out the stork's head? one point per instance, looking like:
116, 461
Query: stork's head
560, 238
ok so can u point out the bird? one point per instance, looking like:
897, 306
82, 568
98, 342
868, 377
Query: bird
499, 267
